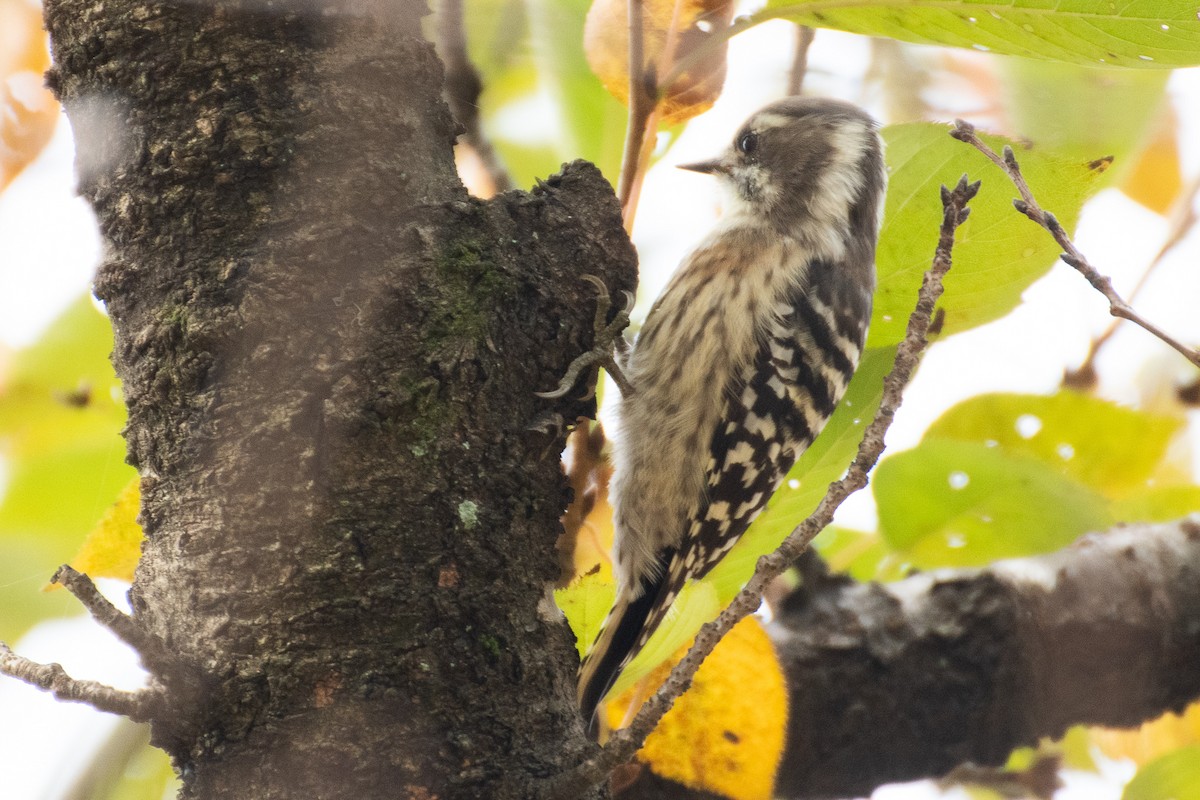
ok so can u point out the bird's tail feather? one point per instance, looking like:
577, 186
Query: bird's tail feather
614, 648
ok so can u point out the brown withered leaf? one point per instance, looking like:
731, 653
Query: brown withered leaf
674, 30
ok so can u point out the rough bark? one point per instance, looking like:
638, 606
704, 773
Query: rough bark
908, 680
328, 353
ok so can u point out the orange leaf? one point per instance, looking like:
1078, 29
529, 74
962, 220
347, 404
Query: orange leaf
28, 111
673, 30
1156, 738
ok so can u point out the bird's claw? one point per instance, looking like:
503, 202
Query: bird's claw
608, 341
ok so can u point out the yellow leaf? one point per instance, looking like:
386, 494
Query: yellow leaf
585, 604
726, 734
667, 40
1154, 739
113, 547
1155, 179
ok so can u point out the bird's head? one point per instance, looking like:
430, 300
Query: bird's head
803, 164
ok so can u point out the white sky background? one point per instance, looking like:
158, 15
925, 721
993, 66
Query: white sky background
49, 249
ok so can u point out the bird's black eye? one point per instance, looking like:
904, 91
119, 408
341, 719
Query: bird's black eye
748, 143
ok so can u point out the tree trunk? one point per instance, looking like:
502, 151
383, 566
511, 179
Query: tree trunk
329, 354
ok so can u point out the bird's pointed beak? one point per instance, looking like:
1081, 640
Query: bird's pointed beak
707, 167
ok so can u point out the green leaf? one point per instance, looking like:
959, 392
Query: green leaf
585, 603
697, 604
592, 121
859, 554
61, 494
1096, 442
1175, 776
998, 252
60, 420
1132, 33
1082, 111
952, 503
1077, 751
61, 389
491, 29
1157, 504
27, 563
148, 776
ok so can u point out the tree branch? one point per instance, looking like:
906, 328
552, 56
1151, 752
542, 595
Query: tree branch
140, 706
965, 665
1027, 205
624, 743
154, 655
959, 667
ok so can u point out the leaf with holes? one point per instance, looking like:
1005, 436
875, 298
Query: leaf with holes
1133, 33
1098, 443
952, 503
725, 734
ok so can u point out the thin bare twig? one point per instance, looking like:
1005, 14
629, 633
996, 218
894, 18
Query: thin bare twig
624, 743
463, 87
804, 40
1027, 205
157, 660
1181, 219
139, 706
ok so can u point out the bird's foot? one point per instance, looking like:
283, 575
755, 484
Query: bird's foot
608, 344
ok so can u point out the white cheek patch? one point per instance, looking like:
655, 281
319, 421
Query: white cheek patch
840, 181
754, 184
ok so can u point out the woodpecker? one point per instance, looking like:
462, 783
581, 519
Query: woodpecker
741, 360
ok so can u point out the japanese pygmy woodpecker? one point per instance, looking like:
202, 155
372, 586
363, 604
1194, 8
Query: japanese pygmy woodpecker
741, 360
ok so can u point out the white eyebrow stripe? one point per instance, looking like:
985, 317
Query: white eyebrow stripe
767, 121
